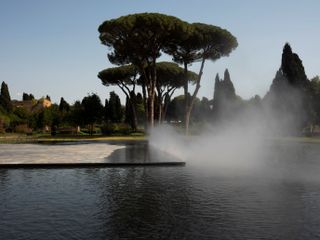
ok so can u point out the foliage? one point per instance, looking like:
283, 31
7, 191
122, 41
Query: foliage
106, 114
92, 109
63, 105
116, 128
129, 116
76, 114
140, 108
5, 99
115, 109
138, 39
22, 113
200, 43
123, 77
315, 90
225, 100
292, 67
289, 95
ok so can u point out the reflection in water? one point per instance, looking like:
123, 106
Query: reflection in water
140, 152
164, 202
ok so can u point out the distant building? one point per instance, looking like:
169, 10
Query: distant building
45, 102
27, 104
32, 105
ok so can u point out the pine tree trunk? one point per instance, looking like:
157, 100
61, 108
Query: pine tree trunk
159, 109
186, 100
134, 117
193, 98
145, 105
151, 110
151, 92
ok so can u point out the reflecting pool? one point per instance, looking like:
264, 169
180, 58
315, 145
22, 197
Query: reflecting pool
280, 201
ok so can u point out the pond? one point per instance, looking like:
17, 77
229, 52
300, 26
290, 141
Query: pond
279, 200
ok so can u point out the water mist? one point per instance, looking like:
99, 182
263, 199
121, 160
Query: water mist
243, 145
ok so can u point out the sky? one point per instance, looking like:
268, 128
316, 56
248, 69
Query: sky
52, 47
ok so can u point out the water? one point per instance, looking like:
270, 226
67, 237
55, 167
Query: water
280, 201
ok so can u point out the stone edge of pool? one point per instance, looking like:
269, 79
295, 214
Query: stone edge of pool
86, 165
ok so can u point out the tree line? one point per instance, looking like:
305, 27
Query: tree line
292, 100
30, 115
135, 44
137, 41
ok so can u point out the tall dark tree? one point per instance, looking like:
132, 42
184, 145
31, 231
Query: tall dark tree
63, 105
292, 68
77, 114
92, 110
64, 111
140, 108
115, 109
5, 99
216, 86
129, 119
225, 98
289, 95
106, 114
315, 88
229, 90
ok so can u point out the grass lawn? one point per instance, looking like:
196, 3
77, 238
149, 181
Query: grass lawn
38, 138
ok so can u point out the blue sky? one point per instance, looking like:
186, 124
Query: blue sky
52, 47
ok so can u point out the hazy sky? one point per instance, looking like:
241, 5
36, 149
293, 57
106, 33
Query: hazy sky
52, 47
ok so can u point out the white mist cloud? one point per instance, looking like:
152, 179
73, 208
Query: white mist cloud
226, 150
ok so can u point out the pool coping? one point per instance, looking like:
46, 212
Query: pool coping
89, 164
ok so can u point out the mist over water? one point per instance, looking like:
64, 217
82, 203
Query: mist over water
251, 144
224, 151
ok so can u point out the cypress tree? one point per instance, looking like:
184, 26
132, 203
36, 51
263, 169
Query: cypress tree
64, 106
106, 114
289, 95
5, 100
216, 86
229, 91
224, 89
115, 108
224, 100
292, 67
128, 113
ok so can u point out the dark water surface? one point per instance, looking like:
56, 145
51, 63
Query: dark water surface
165, 202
